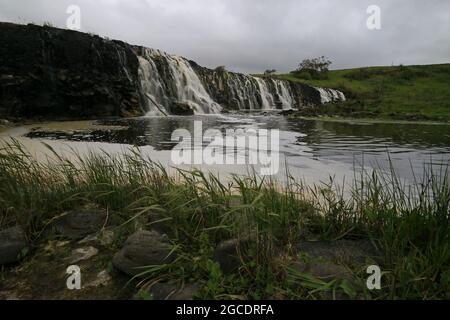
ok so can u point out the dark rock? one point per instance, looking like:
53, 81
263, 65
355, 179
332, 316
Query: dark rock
230, 253
328, 260
350, 252
141, 249
63, 74
78, 224
181, 109
51, 73
287, 112
323, 270
12, 242
170, 291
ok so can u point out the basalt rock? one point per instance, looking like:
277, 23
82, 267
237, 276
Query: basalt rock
143, 248
12, 244
78, 224
53, 73
231, 253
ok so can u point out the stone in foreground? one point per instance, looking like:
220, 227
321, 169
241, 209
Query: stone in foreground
230, 252
78, 224
12, 242
143, 248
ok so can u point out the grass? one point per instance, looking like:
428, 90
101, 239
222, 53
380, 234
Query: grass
400, 92
409, 225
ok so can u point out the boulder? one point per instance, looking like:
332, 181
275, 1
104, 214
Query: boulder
229, 254
12, 243
143, 248
350, 252
181, 109
78, 224
328, 260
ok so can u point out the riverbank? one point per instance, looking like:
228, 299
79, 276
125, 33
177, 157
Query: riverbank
414, 93
196, 237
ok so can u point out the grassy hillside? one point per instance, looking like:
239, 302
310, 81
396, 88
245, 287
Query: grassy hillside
399, 92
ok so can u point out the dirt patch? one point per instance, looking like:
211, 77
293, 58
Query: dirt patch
43, 275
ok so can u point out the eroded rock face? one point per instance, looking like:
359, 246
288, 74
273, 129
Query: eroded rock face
12, 242
51, 73
62, 74
143, 248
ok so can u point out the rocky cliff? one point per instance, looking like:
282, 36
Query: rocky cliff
53, 73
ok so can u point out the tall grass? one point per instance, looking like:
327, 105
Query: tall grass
409, 224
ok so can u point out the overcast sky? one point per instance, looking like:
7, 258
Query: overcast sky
253, 35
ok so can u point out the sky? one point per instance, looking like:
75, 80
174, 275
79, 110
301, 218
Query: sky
251, 36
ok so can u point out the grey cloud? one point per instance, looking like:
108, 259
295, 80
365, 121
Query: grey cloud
253, 35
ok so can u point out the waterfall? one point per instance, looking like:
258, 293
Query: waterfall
155, 100
190, 89
186, 85
168, 82
284, 94
244, 91
330, 95
266, 97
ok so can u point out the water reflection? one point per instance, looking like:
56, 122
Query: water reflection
407, 146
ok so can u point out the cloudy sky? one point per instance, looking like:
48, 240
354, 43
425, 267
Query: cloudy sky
254, 35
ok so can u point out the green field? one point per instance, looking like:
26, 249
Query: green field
398, 92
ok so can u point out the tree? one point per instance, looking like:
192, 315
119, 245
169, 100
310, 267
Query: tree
220, 69
269, 72
318, 65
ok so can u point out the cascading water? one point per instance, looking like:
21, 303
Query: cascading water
190, 89
266, 97
152, 88
187, 86
284, 94
330, 95
244, 91
168, 81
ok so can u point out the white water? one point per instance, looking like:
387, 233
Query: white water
284, 94
330, 95
244, 92
188, 87
154, 97
266, 97
183, 85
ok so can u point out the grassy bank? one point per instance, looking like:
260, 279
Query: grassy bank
398, 92
409, 227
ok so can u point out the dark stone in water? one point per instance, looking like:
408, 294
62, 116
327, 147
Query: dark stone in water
181, 109
12, 243
143, 248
